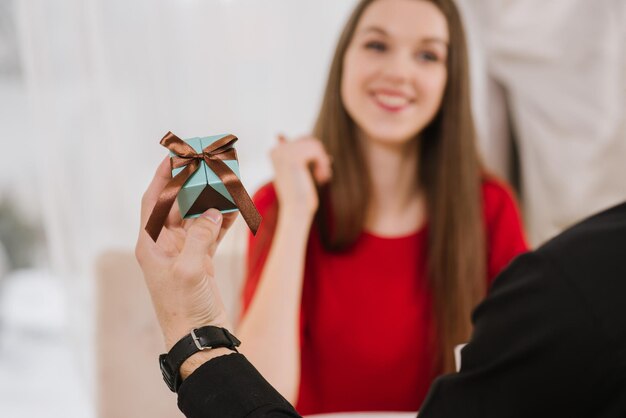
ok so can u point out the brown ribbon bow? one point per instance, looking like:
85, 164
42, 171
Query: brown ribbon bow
186, 156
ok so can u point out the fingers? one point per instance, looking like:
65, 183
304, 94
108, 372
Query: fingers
228, 220
161, 178
174, 219
318, 160
322, 170
306, 151
201, 236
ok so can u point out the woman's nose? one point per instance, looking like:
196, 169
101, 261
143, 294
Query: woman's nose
398, 67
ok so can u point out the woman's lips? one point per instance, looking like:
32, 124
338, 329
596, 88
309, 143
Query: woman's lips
391, 102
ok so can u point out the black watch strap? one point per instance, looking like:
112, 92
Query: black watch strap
204, 338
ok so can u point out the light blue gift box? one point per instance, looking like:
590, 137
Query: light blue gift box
204, 189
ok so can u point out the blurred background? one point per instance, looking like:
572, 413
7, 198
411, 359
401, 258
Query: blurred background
88, 88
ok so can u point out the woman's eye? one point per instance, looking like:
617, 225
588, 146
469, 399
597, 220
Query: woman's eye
376, 46
428, 56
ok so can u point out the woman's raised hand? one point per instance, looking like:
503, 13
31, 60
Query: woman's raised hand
299, 166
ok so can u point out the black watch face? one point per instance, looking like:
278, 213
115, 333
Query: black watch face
168, 376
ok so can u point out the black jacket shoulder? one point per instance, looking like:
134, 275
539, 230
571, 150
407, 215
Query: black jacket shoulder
550, 338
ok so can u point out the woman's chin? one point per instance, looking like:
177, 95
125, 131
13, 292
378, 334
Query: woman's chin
390, 138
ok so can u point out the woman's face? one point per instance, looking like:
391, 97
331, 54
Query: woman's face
394, 70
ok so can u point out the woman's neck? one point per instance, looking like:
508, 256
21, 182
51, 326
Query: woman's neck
396, 205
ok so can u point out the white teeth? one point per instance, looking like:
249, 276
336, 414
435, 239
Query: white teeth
392, 101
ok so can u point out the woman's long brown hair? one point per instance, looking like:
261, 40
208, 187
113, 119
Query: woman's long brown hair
449, 174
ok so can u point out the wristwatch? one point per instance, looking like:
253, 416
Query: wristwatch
204, 338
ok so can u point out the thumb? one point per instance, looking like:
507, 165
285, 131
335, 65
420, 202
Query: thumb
201, 235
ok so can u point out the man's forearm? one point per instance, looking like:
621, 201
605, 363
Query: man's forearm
229, 386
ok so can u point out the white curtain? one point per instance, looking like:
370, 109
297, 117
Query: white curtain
554, 73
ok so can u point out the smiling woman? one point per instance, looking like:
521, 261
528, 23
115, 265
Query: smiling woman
382, 231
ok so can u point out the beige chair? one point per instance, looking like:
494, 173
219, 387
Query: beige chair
129, 340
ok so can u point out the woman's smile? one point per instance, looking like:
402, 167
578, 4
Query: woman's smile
391, 100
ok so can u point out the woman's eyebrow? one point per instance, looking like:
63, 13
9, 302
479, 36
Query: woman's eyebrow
427, 40
376, 29
434, 40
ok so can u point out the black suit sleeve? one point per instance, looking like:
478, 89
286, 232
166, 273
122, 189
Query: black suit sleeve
535, 351
230, 387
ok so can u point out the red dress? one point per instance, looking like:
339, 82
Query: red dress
353, 357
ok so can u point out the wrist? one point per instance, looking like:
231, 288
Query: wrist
297, 207
174, 332
198, 359
193, 350
296, 219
